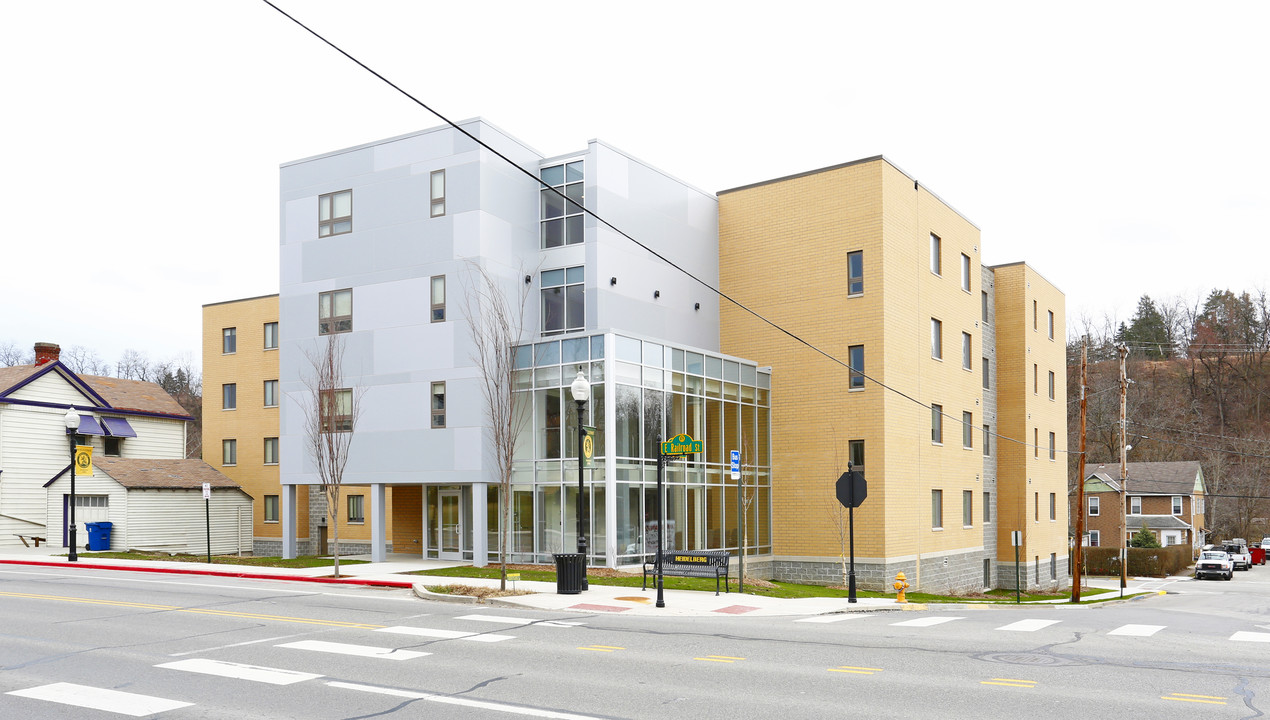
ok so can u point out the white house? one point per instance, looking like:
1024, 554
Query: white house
125, 422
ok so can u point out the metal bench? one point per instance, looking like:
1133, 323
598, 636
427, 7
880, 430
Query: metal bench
689, 563
35, 538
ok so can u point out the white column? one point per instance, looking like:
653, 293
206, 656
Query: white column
480, 531
288, 521
378, 538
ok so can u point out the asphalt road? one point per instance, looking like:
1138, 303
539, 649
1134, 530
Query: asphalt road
135, 645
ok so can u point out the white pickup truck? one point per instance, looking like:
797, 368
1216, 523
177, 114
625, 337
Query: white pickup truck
1239, 555
1214, 563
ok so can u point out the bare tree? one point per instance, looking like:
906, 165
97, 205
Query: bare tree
331, 411
495, 315
134, 365
11, 355
84, 361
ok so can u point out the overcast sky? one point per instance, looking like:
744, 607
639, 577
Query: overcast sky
1119, 148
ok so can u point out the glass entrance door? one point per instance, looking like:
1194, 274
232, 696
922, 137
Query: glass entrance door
451, 518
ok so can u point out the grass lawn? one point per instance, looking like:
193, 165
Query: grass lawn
307, 561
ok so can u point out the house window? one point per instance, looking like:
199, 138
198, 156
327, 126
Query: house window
1095, 538
1052, 446
1093, 505
937, 424
1051, 384
965, 351
936, 264
563, 299
855, 454
229, 452
987, 507
438, 193
936, 339
987, 440
1177, 504
271, 336
438, 298
855, 272
337, 410
1053, 508
562, 216
936, 509
438, 404
967, 430
112, 446
984, 299
335, 312
271, 451
967, 508
92, 501
335, 213
1135, 505
856, 355
987, 375
271, 508
965, 272
229, 396
356, 509
229, 343
271, 393
1051, 314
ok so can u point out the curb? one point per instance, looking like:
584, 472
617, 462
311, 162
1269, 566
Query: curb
425, 594
218, 573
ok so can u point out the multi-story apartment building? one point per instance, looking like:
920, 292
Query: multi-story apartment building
941, 378
382, 244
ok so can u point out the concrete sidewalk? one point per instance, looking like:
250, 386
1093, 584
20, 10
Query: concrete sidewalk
598, 598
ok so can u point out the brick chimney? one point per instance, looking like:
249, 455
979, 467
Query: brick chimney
46, 352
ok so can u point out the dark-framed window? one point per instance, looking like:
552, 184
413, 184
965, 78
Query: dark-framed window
987, 375
229, 341
966, 351
335, 312
271, 451
438, 298
563, 299
271, 508
437, 192
936, 509
987, 439
855, 272
965, 272
967, 430
337, 410
229, 452
271, 393
335, 213
855, 353
937, 423
987, 507
229, 396
438, 404
936, 339
562, 216
936, 262
967, 508
271, 336
356, 508
855, 453
112, 446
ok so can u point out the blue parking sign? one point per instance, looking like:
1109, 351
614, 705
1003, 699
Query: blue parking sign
736, 464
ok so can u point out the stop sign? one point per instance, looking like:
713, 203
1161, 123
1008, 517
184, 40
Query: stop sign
851, 489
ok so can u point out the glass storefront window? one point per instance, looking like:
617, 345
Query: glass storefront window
547, 353
628, 349
653, 355
627, 409
714, 367
574, 351
696, 364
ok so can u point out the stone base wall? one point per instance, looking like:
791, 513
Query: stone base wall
954, 573
1027, 571
272, 547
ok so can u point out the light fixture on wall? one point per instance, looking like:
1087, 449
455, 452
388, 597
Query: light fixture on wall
613, 281
656, 294
696, 306
527, 279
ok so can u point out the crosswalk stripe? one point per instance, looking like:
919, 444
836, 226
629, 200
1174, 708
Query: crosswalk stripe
1137, 630
504, 620
1028, 625
446, 634
925, 621
113, 701
464, 702
358, 650
238, 671
1245, 636
832, 618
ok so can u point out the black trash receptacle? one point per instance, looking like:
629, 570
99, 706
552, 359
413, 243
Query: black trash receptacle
98, 535
570, 569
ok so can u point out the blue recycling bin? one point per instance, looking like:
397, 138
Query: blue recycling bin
98, 535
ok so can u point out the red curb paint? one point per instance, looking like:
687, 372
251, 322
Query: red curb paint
599, 608
216, 573
735, 609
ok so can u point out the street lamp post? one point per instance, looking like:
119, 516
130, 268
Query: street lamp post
72, 425
581, 391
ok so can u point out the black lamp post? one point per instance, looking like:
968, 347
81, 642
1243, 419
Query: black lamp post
581, 391
72, 425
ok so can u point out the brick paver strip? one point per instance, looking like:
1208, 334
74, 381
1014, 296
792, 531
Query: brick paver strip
736, 609
598, 608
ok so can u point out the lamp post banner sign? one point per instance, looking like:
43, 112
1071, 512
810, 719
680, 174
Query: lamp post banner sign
588, 445
84, 460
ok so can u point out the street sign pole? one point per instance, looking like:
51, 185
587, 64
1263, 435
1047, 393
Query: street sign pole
851, 491
661, 464
735, 457
851, 536
207, 509
1016, 539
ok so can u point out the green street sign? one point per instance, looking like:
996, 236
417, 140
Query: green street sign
681, 445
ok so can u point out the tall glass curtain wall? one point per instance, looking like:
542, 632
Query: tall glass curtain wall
655, 390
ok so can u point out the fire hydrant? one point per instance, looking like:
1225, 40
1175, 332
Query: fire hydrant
901, 584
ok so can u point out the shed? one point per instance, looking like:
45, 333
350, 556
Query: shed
157, 505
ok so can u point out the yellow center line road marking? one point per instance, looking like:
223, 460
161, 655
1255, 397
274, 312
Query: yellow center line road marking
602, 648
198, 611
1009, 682
854, 669
719, 658
1182, 697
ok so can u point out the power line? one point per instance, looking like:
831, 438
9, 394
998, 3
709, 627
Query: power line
1196, 432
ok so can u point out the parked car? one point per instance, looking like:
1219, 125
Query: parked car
1239, 554
1214, 563
1258, 553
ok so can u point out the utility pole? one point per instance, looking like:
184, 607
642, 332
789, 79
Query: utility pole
1080, 477
1123, 352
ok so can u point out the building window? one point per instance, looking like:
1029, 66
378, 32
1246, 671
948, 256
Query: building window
1135, 505
337, 410
1093, 505
229, 396
113, 447
1033, 314
965, 272
438, 404
987, 375
855, 453
229, 343
967, 430
856, 355
335, 213
987, 440
1095, 538
438, 298
335, 312
984, 298
937, 509
1052, 450
1051, 384
562, 217
855, 272
1053, 566
271, 508
438, 193
1036, 379
936, 264
271, 393
271, 451
229, 452
1053, 508
356, 509
937, 424
92, 501
1177, 504
1036, 442
1051, 314
936, 339
987, 507
271, 336
563, 299
967, 508
1036, 506
965, 351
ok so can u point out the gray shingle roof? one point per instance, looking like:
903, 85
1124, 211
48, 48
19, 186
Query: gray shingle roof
135, 473
1151, 478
